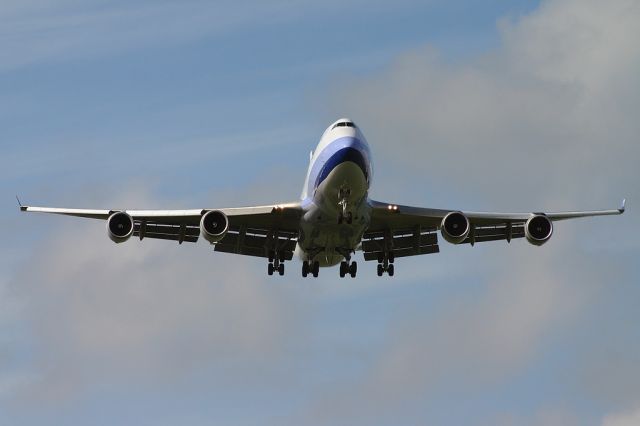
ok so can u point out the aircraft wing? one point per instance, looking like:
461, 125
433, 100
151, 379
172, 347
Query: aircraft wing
409, 231
254, 231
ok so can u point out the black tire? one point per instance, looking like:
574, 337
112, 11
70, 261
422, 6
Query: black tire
353, 269
271, 256
380, 270
392, 257
380, 257
343, 269
390, 270
316, 269
270, 269
281, 269
305, 269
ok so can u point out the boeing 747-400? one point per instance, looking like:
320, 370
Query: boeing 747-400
333, 219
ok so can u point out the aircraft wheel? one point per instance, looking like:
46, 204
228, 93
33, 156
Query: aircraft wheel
380, 270
305, 269
353, 269
392, 257
270, 269
316, 269
281, 269
343, 269
390, 270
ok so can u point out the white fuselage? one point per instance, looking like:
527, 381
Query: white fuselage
335, 196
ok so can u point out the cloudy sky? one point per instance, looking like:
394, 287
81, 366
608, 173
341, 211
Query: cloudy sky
494, 105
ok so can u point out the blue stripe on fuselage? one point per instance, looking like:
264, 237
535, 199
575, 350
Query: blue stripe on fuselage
337, 152
341, 156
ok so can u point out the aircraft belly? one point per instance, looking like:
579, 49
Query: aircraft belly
322, 238
346, 175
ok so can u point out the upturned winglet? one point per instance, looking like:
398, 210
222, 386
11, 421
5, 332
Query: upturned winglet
22, 208
622, 205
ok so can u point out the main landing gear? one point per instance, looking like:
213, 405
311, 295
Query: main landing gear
310, 268
350, 268
385, 264
276, 263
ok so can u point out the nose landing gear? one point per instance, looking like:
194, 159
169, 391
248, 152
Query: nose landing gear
343, 200
345, 218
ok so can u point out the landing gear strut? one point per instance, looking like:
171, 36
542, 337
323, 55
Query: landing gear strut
276, 263
385, 264
350, 268
345, 218
344, 215
310, 268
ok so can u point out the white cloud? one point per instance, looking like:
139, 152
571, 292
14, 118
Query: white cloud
630, 418
483, 337
546, 121
547, 416
471, 343
144, 312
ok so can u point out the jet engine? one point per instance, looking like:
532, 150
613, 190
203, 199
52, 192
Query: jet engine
119, 227
214, 226
455, 227
538, 229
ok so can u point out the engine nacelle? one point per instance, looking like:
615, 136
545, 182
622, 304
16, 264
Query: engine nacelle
455, 227
119, 227
214, 226
538, 229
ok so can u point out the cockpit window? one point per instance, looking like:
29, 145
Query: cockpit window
343, 124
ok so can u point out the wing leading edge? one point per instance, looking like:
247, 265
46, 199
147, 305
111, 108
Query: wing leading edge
255, 231
269, 229
385, 214
407, 230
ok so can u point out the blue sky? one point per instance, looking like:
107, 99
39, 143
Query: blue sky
473, 105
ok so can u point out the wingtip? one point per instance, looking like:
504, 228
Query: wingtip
22, 208
622, 205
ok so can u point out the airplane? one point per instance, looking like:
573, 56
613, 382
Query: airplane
333, 219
